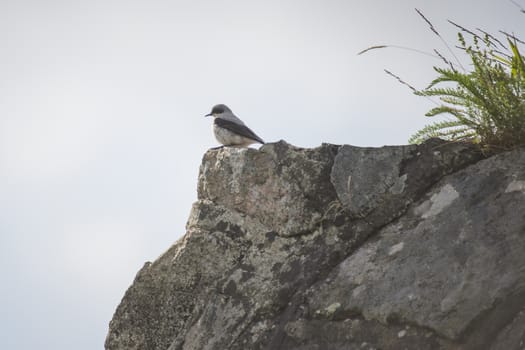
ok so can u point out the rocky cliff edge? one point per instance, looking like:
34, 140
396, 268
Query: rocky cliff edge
340, 247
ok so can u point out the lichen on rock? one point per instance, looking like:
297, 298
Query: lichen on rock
340, 247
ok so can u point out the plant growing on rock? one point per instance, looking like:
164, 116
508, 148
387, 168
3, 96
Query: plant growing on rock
487, 101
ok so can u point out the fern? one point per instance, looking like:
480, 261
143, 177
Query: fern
487, 103
447, 130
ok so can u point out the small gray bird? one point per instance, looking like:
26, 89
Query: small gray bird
230, 130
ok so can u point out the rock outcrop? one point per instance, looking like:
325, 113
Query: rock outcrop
340, 247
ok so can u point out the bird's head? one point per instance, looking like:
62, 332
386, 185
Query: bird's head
218, 109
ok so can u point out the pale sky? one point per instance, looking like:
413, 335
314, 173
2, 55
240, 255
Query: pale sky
102, 126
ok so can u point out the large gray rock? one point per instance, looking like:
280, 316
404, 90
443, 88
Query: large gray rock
340, 247
453, 264
381, 183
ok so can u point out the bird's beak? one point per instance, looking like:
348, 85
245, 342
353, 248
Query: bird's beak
209, 114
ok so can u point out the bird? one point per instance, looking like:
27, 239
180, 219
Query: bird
229, 130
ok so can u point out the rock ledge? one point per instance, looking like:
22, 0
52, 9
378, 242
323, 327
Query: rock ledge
340, 247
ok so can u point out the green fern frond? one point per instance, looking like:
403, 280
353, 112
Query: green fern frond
447, 130
487, 103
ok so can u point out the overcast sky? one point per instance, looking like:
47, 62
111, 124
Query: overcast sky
102, 129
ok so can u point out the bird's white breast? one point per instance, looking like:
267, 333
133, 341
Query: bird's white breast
228, 138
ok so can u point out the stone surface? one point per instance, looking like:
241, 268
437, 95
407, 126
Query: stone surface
379, 183
340, 247
270, 185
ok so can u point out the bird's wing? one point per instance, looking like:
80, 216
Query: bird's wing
239, 129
